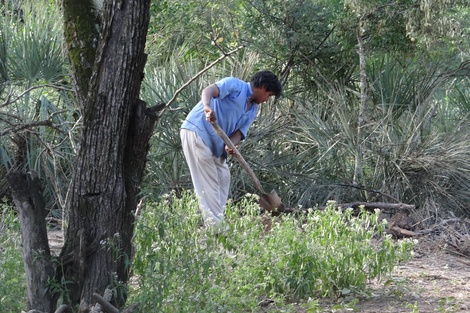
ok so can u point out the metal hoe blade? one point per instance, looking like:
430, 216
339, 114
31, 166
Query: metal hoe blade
270, 202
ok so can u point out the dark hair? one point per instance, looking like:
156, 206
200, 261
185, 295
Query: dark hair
268, 80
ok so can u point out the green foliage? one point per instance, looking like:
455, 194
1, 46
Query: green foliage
12, 275
200, 27
174, 259
304, 145
416, 147
293, 34
34, 91
34, 42
324, 253
166, 167
59, 290
304, 148
413, 135
413, 307
457, 101
407, 25
448, 304
185, 268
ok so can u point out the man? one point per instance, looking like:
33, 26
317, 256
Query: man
233, 103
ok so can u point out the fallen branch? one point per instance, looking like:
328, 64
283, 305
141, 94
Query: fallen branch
369, 190
401, 232
103, 303
376, 205
64, 308
398, 231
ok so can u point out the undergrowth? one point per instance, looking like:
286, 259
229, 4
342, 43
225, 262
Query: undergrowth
251, 261
12, 274
256, 259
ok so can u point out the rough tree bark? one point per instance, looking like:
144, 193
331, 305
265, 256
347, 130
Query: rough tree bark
111, 160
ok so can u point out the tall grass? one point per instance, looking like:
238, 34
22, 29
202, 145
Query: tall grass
12, 275
181, 267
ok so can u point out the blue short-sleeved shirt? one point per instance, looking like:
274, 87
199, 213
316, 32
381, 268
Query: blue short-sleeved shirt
230, 111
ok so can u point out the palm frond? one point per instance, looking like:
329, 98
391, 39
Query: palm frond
35, 44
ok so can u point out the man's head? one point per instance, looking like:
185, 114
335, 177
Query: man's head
265, 84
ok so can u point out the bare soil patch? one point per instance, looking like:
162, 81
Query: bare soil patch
437, 282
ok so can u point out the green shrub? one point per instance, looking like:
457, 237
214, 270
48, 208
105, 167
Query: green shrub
181, 267
323, 253
12, 275
178, 265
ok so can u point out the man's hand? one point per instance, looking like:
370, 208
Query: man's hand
230, 151
236, 139
210, 115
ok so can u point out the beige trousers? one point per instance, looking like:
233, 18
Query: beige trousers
210, 177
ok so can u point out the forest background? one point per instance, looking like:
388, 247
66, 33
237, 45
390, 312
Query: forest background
374, 109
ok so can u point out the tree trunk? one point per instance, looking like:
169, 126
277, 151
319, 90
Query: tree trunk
81, 32
27, 195
111, 160
363, 107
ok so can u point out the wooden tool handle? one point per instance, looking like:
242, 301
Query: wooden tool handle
237, 155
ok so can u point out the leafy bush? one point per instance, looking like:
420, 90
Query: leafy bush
181, 267
178, 267
323, 253
12, 277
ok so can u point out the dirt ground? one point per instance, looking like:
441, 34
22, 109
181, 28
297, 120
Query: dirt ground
434, 280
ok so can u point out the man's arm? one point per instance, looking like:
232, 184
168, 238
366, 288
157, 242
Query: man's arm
235, 138
208, 93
